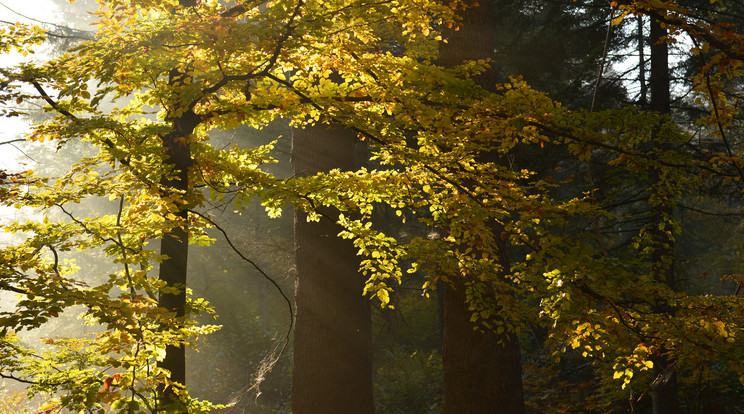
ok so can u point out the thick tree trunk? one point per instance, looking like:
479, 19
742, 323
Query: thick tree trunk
664, 385
481, 375
332, 366
482, 370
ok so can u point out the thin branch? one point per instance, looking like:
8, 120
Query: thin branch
288, 30
12, 141
709, 213
56, 260
123, 248
51, 101
45, 96
25, 381
8, 287
261, 271
66, 28
604, 60
550, 132
91, 232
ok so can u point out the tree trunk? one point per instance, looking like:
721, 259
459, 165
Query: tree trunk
332, 364
641, 62
482, 370
175, 245
664, 386
481, 375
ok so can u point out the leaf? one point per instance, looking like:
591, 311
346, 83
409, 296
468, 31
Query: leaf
619, 18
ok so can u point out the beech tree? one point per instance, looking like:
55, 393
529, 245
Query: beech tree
184, 70
482, 368
332, 359
613, 308
176, 70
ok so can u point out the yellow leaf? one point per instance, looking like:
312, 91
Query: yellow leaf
383, 296
575, 343
617, 20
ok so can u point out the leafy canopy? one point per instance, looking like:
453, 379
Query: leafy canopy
443, 148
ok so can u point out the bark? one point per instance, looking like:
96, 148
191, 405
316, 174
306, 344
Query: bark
175, 245
659, 82
482, 370
664, 385
641, 62
332, 366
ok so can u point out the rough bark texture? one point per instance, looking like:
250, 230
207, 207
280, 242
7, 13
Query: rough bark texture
664, 386
332, 366
482, 370
481, 375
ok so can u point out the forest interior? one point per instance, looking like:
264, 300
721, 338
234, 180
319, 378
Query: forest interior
371, 206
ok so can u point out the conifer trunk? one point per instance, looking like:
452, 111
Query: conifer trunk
642, 99
332, 365
482, 370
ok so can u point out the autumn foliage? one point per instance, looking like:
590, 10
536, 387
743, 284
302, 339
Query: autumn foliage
160, 77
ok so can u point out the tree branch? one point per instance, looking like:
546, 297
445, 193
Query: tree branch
12, 141
260, 270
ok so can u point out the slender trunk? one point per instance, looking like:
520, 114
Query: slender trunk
175, 246
664, 385
332, 365
659, 82
641, 62
482, 370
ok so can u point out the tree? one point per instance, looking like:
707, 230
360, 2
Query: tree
665, 379
160, 171
482, 368
557, 47
441, 140
654, 199
174, 244
332, 360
